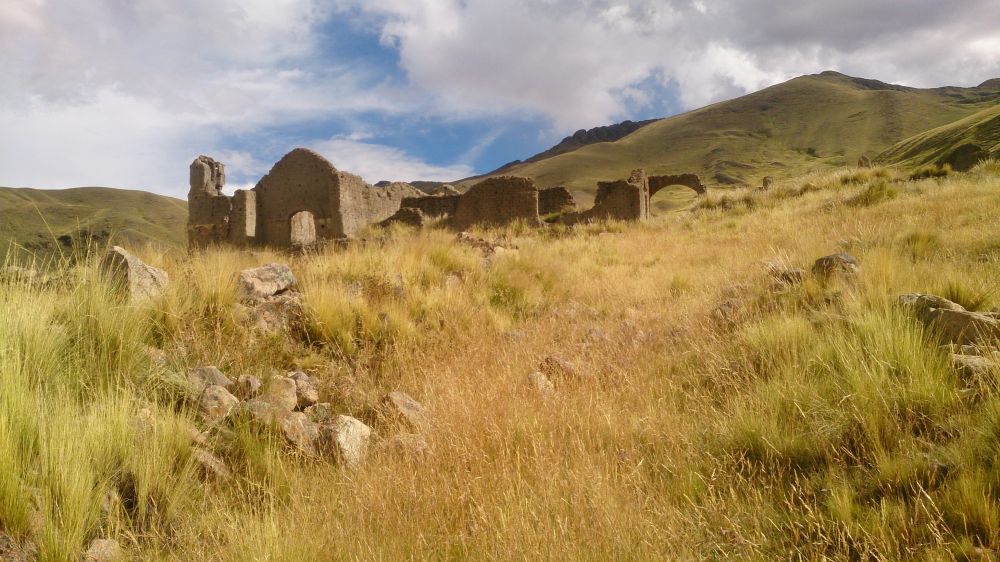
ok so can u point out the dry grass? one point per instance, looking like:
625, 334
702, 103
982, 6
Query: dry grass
823, 424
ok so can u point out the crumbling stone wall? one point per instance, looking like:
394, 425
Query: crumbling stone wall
496, 202
433, 205
339, 204
621, 199
555, 200
656, 183
208, 209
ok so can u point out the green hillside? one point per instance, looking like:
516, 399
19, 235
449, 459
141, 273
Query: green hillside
960, 144
41, 221
810, 123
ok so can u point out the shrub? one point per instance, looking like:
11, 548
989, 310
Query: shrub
930, 171
876, 192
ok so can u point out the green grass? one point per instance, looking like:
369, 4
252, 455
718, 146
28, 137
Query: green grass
944, 145
33, 219
808, 124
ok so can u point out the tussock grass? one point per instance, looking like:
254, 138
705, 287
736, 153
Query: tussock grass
822, 423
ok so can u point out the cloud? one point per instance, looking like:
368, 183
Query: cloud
376, 162
571, 59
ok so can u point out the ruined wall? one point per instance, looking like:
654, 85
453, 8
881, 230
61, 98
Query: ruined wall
208, 209
360, 204
301, 181
496, 202
656, 183
433, 205
621, 199
555, 200
243, 218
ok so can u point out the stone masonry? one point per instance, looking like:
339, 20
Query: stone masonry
302, 199
656, 183
621, 199
555, 200
496, 202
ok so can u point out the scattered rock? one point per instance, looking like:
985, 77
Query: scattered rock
836, 265
248, 387
558, 368
951, 321
407, 445
128, 274
345, 439
320, 413
541, 384
399, 408
216, 403
203, 377
786, 276
299, 431
305, 390
452, 281
210, 466
104, 550
266, 281
260, 411
282, 393
280, 314
971, 365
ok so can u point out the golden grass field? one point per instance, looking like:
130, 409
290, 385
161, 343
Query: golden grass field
824, 424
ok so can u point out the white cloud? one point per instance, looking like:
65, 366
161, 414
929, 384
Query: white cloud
376, 162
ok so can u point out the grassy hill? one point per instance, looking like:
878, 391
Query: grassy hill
40, 220
811, 123
960, 144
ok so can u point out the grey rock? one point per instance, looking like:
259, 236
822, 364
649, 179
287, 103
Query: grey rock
281, 392
320, 413
345, 439
104, 550
216, 403
971, 365
248, 387
266, 281
399, 408
841, 265
210, 466
951, 321
210, 375
131, 277
299, 431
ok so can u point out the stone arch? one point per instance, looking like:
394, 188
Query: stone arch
301, 181
302, 229
656, 183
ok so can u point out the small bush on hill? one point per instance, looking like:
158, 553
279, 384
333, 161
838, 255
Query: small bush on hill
875, 193
930, 171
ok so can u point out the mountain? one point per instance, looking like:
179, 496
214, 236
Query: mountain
960, 144
43, 221
811, 123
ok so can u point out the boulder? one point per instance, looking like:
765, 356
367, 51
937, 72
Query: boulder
399, 408
248, 387
951, 321
216, 403
320, 413
299, 431
281, 314
203, 377
836, 265
104, 550
305, 390
971, 365
210, 466
282, 393
11, 551
344, 439
266, 281
131, 277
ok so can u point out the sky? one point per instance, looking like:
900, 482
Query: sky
126, 93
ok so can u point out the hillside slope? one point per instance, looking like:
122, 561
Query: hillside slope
36, 219
960, 144
807, 124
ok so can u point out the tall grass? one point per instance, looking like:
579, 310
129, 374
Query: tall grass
822, 423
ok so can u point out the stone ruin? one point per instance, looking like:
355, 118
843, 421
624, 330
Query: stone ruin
304, 199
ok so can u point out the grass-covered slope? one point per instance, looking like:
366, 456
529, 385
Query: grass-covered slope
960, 144
811, 123
35, 219
817, 422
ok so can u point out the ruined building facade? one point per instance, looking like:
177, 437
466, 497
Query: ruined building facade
302, 200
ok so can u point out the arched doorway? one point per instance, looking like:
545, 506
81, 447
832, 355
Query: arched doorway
302, 229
